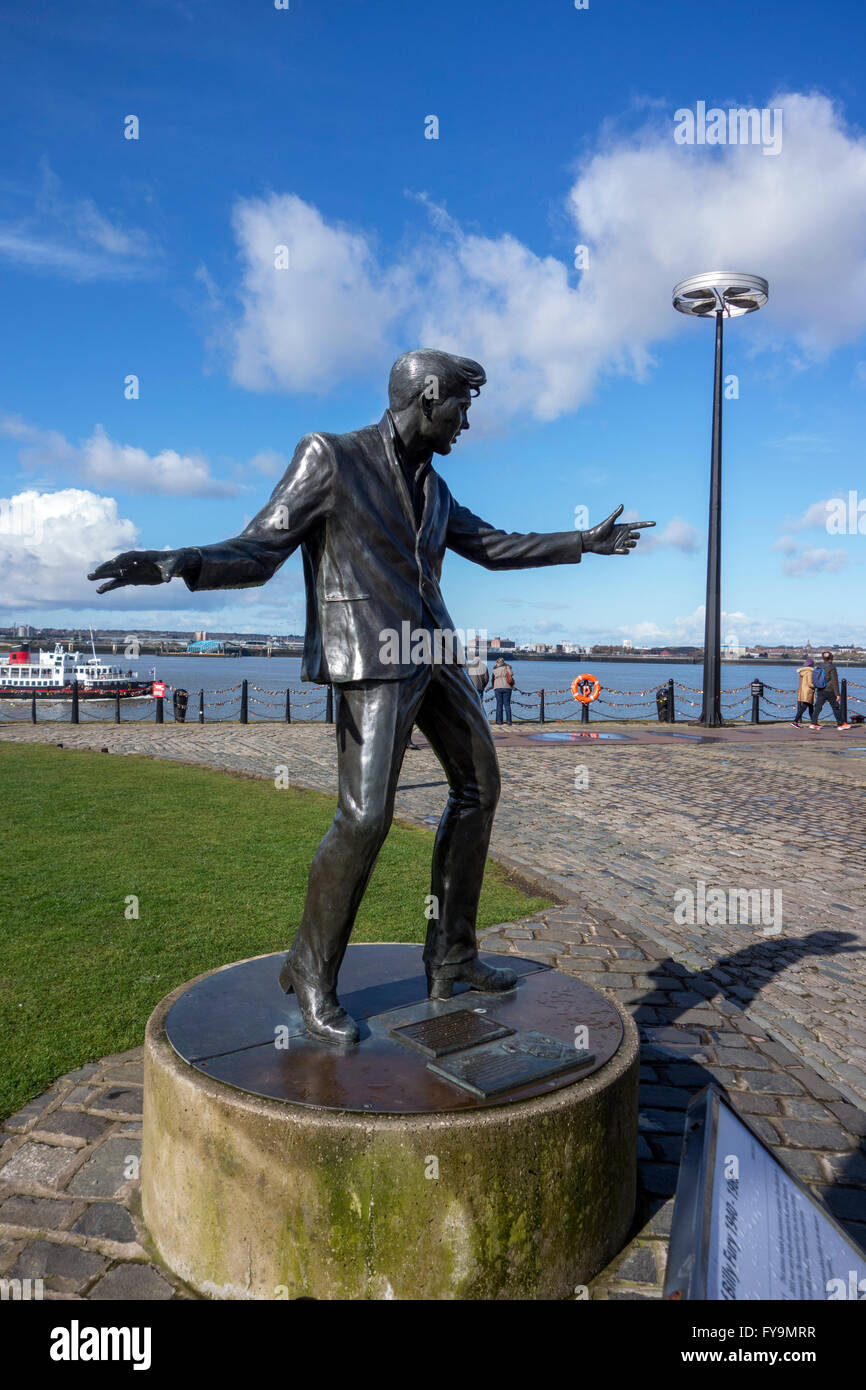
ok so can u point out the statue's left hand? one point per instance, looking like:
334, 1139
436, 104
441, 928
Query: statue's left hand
610, 537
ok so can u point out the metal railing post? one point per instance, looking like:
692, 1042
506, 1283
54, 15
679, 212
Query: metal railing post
541, 706
201, 706
244, 716
329, 705
288, 706
672, 708
75, 716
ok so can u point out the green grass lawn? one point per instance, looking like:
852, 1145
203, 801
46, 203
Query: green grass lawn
218, 864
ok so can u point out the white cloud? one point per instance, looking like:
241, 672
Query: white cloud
814, 515
816, 561
798, 443
305, 326
73, 237
269, 461
102, 461
49, 541
546, 336
676, 535
124, 466
786, 544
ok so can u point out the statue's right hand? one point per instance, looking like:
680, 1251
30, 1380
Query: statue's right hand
139, 567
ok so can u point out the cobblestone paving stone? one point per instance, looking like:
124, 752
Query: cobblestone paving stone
778, 1020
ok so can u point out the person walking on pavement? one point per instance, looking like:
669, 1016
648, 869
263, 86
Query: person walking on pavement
503, 681
476, 670
825, 679
805, 693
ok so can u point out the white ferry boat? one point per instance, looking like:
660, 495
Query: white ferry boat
50, 676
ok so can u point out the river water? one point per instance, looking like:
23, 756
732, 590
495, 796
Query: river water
628, 689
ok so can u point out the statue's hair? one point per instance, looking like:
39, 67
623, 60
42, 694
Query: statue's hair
411, 373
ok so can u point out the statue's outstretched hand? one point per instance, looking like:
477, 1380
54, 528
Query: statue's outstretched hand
140, 567
610, 537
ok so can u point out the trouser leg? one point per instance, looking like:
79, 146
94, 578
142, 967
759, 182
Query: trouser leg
373, 723
827, 697
458, 732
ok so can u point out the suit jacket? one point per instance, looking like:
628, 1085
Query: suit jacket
368, 566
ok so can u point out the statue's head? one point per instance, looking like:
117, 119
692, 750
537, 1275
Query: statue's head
432, 391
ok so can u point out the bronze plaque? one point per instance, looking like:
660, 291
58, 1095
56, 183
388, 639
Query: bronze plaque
516, 1061
451, 1032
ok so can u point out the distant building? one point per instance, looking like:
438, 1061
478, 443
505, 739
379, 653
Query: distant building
204, 645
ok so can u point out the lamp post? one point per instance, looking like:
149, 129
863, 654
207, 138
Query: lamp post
721, 294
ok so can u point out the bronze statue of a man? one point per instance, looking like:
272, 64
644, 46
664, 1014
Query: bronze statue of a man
373, 519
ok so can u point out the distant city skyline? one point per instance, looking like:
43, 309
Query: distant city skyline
495, 643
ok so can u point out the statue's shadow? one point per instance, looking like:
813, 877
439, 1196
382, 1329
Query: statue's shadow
685, 1066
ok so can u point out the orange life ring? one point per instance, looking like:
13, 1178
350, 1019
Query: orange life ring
579, 688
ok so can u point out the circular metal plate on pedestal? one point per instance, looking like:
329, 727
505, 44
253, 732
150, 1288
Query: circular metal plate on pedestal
237, 1026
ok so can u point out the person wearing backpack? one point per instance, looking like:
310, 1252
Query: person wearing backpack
825, 679
503, 680
805, 693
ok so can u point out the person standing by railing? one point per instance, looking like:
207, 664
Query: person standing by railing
476, 670
805, 693
503, 681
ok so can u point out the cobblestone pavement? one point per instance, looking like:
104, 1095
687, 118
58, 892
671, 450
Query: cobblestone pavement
616, 829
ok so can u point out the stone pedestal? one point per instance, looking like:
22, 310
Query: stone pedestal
276, 1167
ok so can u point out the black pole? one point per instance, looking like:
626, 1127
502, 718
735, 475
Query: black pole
843, 700
201, 706
244, 706
75, 716
33, 708
117, 708
672, 708
160, 712
756, 709
541, 707
288, 706
329, 705
711, 710
584, 714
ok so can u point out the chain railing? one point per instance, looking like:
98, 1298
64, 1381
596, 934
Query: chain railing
247, 703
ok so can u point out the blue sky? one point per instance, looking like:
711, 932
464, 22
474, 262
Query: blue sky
306, 128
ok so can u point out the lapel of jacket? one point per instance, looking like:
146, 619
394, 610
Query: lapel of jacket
386, 429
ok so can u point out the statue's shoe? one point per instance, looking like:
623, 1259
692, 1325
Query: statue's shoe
474, 973
323, 1014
